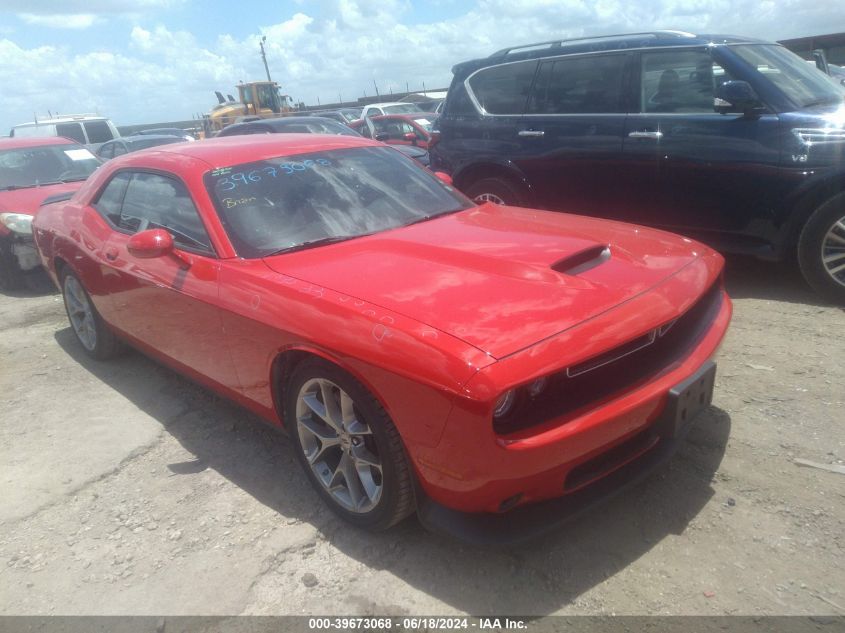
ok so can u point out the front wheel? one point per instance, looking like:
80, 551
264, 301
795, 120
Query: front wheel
348, 446
821, 250
93, 334
497, 191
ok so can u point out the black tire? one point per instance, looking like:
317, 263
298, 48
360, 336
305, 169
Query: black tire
812, 249
11, 276
105, 344
396, 501
490, 189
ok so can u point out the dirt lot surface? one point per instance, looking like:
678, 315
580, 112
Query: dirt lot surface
128, 490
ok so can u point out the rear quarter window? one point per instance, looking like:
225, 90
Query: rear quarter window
503, 89
71, 130
98, 131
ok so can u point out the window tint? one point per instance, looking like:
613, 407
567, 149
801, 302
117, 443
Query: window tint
71, 130
503, 89
98, 131
158, 202
680, 81
108, 204
586, 85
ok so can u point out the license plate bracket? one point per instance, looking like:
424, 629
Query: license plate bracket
689, 398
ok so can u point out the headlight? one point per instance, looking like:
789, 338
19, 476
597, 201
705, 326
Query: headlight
504, 404
17, 222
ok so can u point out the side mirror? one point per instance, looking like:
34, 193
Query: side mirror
149, 244
410, 136
736, 95
444, 177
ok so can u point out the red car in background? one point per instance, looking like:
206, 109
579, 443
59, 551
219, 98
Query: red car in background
477, 364
32, 169
397, 129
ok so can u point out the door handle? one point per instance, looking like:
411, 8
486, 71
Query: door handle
645, 134
531, 133
111, 254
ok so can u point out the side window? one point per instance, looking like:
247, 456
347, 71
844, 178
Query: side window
679, 81
120, 149
580, 85
71, 130
108, 204
503, 89
98, 131
106, 150
158, 202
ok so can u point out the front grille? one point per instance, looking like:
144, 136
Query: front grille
618, 370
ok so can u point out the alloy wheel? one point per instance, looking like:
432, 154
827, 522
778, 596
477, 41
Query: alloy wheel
833, 251
488, 197
81, 313
339, 446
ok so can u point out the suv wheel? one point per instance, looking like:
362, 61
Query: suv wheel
11, 276
348, 446
497, 191
821, 249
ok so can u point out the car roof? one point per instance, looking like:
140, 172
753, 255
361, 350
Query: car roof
135, 138
67, 118
17, 142
624, 41
386, 103
232, 150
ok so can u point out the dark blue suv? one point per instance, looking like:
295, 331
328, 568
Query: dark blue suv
737, 142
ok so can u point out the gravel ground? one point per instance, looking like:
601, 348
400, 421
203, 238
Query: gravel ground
128, 490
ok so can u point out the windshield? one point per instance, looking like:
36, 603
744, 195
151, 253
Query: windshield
351, 115
45, 164
801, 83
401, 108
317, 126
291, 201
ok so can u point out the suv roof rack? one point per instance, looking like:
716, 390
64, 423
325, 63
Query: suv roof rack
597, 38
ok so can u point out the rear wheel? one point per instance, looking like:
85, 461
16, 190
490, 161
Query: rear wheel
11, 276
821, 249
348, 446
497, 191
93, 334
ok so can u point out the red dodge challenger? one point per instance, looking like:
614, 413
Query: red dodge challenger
496, 369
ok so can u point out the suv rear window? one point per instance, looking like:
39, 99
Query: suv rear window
503, 89
579, 85
98, 131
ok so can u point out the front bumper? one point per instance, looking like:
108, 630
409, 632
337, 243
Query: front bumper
650, 448
26, 254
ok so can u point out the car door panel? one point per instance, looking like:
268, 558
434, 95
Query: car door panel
703, 173
571, 134
168, 303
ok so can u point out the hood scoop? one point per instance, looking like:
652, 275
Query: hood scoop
582, 261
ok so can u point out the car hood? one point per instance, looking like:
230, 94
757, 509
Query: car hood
28, 200
498, 278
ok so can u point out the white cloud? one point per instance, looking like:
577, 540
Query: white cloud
341, 46
59, 20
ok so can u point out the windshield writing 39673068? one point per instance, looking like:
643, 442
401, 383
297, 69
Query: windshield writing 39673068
246, 178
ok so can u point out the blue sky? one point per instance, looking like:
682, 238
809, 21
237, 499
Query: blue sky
145, 61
